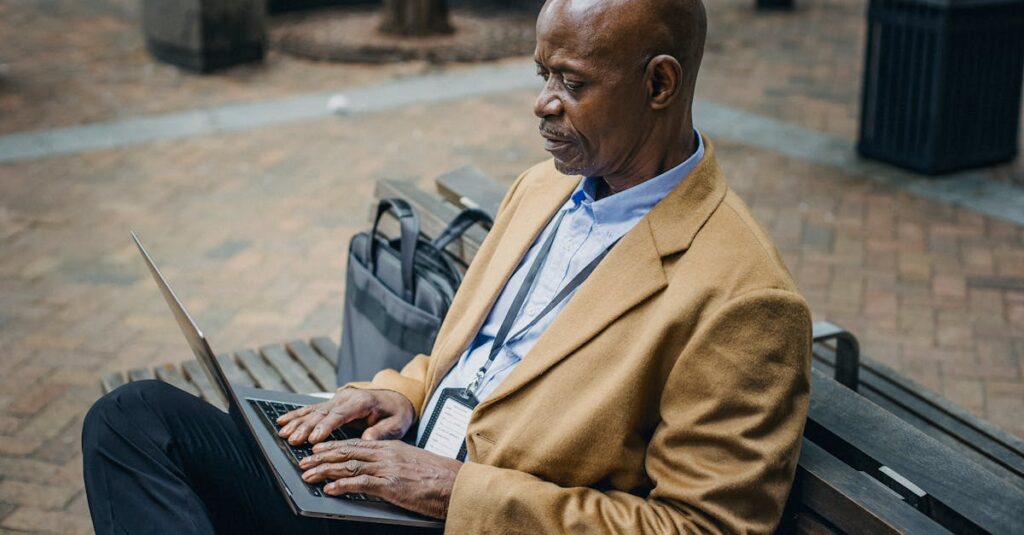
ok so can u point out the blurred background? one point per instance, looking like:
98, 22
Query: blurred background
241, 139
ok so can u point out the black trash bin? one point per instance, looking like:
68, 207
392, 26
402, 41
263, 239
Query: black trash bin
942, 83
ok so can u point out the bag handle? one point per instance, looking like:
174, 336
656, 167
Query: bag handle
466, 218
409, 223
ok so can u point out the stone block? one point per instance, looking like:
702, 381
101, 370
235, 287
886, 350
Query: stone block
205, 35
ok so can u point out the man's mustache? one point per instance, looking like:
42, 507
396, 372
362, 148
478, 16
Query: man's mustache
550, 131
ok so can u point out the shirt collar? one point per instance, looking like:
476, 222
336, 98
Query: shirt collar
621, 211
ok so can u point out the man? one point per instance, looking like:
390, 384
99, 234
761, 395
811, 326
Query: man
636, 352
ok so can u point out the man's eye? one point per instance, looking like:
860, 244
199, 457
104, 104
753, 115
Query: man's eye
573, 86
543, 75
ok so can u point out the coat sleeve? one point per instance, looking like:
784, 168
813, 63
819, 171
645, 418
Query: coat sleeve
722, 458
412, 381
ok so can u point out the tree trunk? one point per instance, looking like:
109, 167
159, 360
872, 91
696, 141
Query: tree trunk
415, 17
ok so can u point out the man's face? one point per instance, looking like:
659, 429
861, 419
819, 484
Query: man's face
593, 108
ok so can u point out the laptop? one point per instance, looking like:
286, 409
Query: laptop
259, 410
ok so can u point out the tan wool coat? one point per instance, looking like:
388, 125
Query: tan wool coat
668, 396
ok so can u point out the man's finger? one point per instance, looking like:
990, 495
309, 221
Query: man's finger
339, 453
289, 428
387, 429
376, 486
339, 415
301, 433
355, 447
332, 455
291, 415
349, 468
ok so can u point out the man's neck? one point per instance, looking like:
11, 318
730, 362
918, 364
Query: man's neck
610, 185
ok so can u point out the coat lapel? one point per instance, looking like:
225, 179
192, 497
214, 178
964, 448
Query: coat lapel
538, 205
631, 273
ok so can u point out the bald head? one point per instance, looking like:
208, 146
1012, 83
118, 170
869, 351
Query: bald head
632, 32
620, 77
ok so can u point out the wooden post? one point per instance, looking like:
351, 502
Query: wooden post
416, 17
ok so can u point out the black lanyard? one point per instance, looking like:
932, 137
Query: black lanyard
524, 290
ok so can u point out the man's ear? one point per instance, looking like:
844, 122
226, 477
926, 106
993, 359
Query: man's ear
664, 76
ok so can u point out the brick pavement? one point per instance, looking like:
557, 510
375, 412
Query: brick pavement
251, 227
803, 67
67, 62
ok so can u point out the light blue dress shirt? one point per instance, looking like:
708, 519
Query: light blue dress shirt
589, 227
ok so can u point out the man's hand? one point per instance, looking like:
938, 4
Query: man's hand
388, 415
404, 475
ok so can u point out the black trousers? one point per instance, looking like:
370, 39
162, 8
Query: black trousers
159, 460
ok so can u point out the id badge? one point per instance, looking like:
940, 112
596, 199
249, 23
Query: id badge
446, 430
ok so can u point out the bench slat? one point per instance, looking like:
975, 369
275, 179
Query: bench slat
851, 500
195, 373
236, 375
863, 435
327, 348
169, 373
111, 381
991, 447
293, 374
469, 187
140, 374
317, 366
265, 376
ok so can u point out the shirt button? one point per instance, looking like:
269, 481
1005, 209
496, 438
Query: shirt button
532, 311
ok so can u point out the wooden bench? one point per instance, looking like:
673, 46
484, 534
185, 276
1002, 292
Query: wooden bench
880, 454
296, 366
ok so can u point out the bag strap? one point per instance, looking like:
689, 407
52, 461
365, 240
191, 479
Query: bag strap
409, 222
466, 218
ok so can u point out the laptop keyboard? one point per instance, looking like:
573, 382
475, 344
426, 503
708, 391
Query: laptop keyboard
271, 410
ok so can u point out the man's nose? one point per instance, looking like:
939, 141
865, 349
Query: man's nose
548, 103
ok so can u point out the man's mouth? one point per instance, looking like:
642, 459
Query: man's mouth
554, 142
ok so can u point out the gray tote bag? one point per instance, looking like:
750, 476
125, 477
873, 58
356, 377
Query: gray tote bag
397, 292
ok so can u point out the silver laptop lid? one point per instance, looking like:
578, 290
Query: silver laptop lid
196, 340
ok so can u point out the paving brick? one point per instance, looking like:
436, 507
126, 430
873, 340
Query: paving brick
949, 286
79, 505
967, 393
33, 494
64, 446
922, 371
5, 509
955, 336
28, 470
1015, 315
1006, 413
17, 445
35, 399
878, 305
8, 425
41, 520
914, 266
